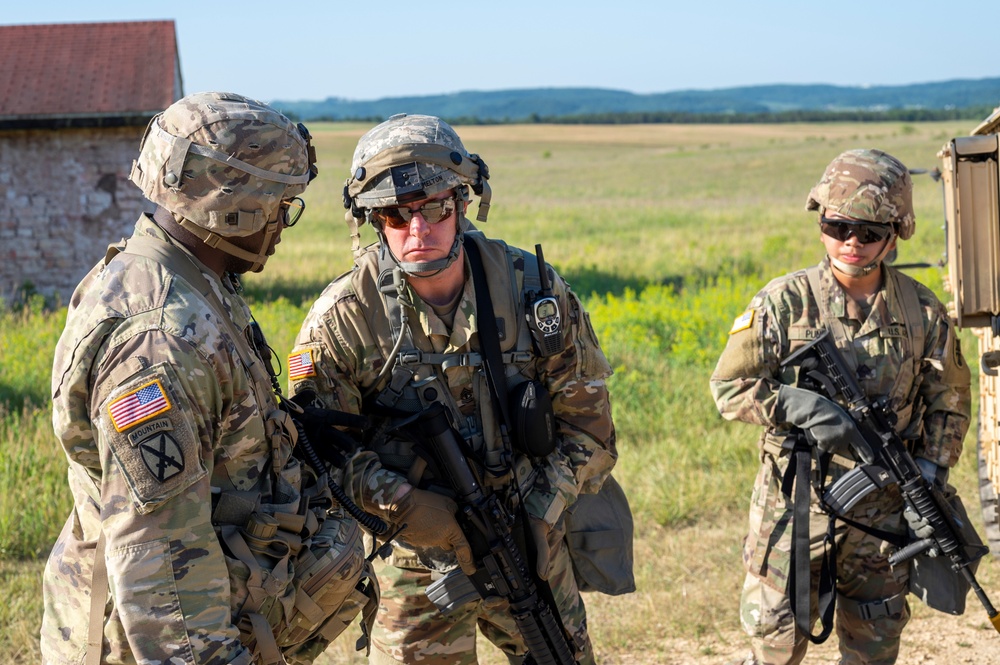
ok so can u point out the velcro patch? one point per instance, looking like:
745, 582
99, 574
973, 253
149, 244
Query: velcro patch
300, 365
150, 431
139, 405
742, 322
162, 456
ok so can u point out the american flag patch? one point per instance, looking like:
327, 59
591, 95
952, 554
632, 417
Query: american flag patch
139, 405
300, 365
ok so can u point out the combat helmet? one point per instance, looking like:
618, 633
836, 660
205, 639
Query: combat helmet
871, 186
408, 158
222, 164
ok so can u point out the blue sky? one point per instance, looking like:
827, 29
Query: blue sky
368, 49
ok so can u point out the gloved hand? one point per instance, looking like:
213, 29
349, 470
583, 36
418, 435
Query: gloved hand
546, 539
430, 522
920, 528
935, 475
832, 428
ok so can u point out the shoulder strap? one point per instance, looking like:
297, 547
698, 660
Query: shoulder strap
98, 600
489, 337
912, 316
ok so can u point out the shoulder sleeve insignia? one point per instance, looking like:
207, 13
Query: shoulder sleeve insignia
300, 365
743, 321
139, 405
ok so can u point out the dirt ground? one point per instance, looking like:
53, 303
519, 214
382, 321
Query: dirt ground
931, 638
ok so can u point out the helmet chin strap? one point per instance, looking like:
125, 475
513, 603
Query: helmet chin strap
257, 259
861, 271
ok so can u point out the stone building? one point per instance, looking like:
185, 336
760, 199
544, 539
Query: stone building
74, 102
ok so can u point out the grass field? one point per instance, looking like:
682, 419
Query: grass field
666, 231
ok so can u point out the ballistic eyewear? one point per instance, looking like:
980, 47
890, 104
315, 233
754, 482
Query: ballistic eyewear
293, 209
399, 218
865, 232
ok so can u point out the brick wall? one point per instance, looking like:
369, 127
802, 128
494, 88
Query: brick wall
64, 196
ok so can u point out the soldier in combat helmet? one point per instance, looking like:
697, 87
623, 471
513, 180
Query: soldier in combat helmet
898, 335
196, 536
402, 332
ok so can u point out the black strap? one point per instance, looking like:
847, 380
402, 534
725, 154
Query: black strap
489, 338
489, 343
800, 582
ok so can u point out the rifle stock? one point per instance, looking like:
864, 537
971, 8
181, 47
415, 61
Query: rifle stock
823, 370
501, 568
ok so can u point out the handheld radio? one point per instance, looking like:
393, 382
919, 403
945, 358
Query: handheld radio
544, 318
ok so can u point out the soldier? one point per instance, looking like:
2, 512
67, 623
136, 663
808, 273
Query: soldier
403, 332
195, 535
899, 336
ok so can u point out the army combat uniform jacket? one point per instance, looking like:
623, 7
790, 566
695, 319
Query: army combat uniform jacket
346, 339
180, 460
928, 389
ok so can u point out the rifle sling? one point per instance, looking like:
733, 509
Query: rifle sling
489, 342
489, 336
800, 581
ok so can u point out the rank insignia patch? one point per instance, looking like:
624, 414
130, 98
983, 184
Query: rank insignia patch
300, 365
742, 322
162, 456
139, 405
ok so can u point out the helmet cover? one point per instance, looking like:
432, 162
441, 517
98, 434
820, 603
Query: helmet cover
867, 185
408, 158
223, 161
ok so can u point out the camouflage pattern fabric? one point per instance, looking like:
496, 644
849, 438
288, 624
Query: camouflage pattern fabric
867, 185
166, 435
210, 154
347, 337
410, 140
410, 629
934, 412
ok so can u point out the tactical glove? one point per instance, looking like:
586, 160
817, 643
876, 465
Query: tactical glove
830, 427
920, 528
430, 522
546, 539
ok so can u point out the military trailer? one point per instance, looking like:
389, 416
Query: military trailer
969, 173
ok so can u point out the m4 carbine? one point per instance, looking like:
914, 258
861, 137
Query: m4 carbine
501, 568
884, 461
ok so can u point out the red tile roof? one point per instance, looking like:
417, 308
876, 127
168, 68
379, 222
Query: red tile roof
88, 69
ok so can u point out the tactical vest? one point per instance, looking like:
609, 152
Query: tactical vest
418, 379
906, 385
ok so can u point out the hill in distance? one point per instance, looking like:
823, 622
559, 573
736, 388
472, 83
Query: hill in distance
551, 103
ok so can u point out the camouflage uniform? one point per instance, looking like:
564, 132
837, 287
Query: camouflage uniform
217, 543
927, 388
347, 336
929, 393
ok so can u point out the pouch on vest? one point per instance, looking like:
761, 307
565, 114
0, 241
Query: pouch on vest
932, 579
599, 536
534, 422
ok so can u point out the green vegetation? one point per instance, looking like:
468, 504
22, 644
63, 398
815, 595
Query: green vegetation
666, 231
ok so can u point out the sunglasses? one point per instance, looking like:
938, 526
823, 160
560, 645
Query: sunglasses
399, 218
865, 232
293, 209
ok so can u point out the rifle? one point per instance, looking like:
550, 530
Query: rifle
885, 461
501, 569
